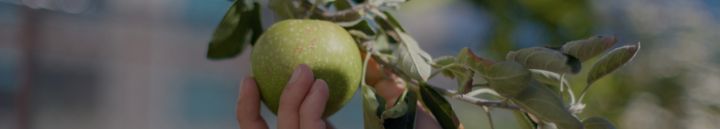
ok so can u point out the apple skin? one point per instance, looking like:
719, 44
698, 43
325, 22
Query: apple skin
325, 47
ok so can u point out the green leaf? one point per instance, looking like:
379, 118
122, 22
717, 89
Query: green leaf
542, 103
522, 119
545, 59
363, 26
588, 48
464, 82
469, 59
439, 107
393, 21
411, 59
547, 77
255, 23
407, 119
547, 126
326, 2
443, 61
383, 45
284, 9
388, 23
508, 78
613, 60
372, 107
230, 37
399, 108
597, 123
447, 66
342, 4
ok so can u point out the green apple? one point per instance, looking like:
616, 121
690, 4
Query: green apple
325, 47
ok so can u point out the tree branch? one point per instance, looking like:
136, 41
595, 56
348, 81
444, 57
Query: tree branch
347, 15
477, 101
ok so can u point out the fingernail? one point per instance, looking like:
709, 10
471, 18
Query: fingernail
320, 86
320, 82
298, 71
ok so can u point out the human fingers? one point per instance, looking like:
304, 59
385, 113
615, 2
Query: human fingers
373, 72
389, 89
247, 108
293, 95
313, 106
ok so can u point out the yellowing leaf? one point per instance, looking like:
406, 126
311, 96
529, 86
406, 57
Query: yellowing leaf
469, 59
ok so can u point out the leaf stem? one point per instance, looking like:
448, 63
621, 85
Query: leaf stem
571, 93
583, 93
364, 70
489, 116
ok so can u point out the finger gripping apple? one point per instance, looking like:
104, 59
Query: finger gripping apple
325, 47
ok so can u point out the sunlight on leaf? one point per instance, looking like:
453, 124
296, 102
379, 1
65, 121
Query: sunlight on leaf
412, 59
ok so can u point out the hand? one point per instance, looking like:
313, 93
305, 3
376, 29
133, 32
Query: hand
302, 103
389, 86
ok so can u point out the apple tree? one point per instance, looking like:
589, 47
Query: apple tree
532, 82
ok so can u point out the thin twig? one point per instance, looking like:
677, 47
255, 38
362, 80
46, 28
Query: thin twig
489, 116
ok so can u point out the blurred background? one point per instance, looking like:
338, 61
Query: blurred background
140, 64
